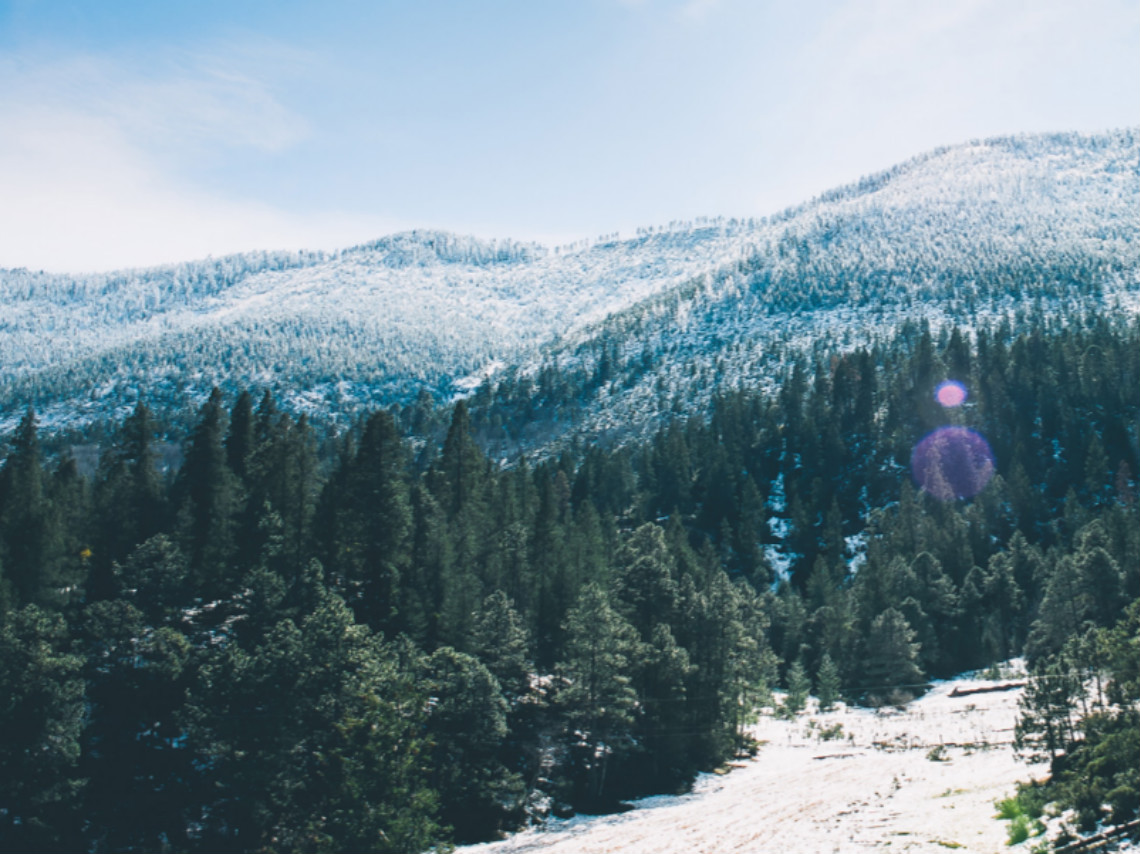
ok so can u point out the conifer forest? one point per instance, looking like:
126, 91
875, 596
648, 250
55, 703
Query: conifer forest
240, 629
607, 427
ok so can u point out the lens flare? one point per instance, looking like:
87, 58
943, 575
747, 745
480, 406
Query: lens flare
951, 393
952, 462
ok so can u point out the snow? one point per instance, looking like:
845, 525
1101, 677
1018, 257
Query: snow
856, 548
874, 787
716, 304
781, 564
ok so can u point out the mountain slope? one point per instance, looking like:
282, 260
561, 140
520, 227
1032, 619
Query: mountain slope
984, 233
360, 326
673, 313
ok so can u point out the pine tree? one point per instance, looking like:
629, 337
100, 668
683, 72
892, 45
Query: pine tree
795, 701
375, 524
645, 586
891, 656
432, 559
240, 440
460, 474
129, 499
597, 696
661, 682
344, 768
467, 725
28, 525
41, 713
139, 774
1046, 726
827, 684
499, 640
281, 472
155, 579
209, 499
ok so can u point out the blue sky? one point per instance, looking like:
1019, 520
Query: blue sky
134, 133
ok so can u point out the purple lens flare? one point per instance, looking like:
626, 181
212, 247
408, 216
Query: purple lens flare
951, 393
952, 462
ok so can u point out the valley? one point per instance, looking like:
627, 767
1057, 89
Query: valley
429, 540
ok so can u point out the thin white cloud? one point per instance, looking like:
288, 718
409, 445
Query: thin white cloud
93, 151
684, 10
697, 10
882, 80
180, 99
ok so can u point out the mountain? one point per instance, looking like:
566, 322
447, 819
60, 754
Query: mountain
633, 328
985, 234
336, 331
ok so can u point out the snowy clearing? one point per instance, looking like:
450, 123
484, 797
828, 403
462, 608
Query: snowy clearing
876, 786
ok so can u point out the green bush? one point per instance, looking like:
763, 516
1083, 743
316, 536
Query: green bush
1008, 808
1018, 830
831, 733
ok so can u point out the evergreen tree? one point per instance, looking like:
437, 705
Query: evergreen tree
208, 499
28, 526
597, 696
374, 529
343, 768
467, 725
1046, 726
795, 701
661, 683
500, 642
460, 474
41, 713
129, 498
240, 440
645, 584
891, 658
827, 683
139, 774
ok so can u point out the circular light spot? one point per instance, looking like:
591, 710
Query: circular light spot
951, 393
952, 462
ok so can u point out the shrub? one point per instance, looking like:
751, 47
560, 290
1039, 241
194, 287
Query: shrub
1018, 830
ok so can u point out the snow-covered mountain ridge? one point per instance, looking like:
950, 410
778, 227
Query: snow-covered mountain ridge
419, 308
980, 227
985, 233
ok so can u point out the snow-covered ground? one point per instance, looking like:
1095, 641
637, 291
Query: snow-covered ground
876, 786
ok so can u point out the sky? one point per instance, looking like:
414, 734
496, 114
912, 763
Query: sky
139, 133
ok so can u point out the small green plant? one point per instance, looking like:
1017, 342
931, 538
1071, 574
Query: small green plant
831, 733
1008, 809
1023, 812
1031, 803
1018, 830
938, 753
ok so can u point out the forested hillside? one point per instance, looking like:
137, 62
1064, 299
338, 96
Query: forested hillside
617, 334
374, 644
992, 234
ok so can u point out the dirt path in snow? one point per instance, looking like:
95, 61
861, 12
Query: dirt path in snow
872, 788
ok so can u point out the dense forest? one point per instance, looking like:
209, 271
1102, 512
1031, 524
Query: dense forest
372, 641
